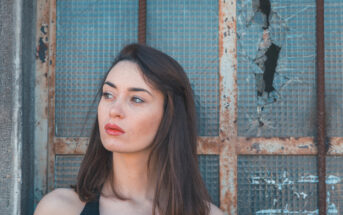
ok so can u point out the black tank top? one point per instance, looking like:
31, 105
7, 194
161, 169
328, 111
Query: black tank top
91, 208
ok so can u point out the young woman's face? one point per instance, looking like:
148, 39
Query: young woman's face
130, 110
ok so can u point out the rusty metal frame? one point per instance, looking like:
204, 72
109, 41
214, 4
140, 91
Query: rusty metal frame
321, 122
41, 106
142, 21
227, 145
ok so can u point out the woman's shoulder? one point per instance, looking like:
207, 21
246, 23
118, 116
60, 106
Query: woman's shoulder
214, 210
60, 201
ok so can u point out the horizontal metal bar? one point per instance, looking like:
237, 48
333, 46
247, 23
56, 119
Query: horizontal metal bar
78, 145
281, 146
286, 146
70, 145
212, 145
208, 145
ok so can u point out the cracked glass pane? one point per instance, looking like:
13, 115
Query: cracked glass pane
276, 68
276, 185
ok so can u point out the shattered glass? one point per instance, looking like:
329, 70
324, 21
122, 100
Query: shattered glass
276, 68
275, 185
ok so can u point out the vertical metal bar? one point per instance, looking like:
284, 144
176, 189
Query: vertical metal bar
51, 92
142, 22
321, 157
41, 103
228, 106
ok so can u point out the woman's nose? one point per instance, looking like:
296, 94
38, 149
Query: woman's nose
116, 109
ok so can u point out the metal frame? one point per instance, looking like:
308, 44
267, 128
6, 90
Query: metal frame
42, 99
227, 145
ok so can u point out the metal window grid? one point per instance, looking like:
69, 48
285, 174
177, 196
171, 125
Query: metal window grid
227, 145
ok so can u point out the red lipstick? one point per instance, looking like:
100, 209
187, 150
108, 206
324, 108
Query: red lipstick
113, 129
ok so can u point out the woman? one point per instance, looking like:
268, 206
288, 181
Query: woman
141, 157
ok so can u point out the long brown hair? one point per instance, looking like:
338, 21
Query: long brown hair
173, 151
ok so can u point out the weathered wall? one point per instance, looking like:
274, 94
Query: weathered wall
7, 76
16, 102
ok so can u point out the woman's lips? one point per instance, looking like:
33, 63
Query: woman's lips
113, 129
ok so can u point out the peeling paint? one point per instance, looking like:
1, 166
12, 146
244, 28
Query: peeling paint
41, 50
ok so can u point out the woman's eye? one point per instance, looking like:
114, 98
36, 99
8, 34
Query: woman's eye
137, 100
107, 95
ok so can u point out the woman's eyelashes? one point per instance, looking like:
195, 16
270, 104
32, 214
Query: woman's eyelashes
107, 95
134, 99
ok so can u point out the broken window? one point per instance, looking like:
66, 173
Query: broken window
276, 68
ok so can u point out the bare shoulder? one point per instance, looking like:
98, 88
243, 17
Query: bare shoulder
60, 201
214, 210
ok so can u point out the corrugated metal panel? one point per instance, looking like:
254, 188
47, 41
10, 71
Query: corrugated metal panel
88, 35
333, 18
188, 31
276, 68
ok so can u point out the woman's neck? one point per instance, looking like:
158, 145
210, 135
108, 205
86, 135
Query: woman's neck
130, 176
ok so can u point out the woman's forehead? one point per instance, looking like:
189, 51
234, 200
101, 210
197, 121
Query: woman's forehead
127, 74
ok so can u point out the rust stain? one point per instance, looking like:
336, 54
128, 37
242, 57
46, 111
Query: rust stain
208, 145
228, 177
276, 145
228, 108
70, 145
142, 21
51, 16
336, 146
221, 30
41, 185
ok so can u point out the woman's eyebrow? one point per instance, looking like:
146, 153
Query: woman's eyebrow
110, 84
139, 89
135, 89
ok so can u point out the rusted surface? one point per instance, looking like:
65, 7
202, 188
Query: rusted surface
321, 123
212, 145
280, 146
336, 146
41, 101
208, 145
51, 90
77, 145
228, 104
142, 22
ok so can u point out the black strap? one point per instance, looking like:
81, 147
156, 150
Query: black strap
91, 208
